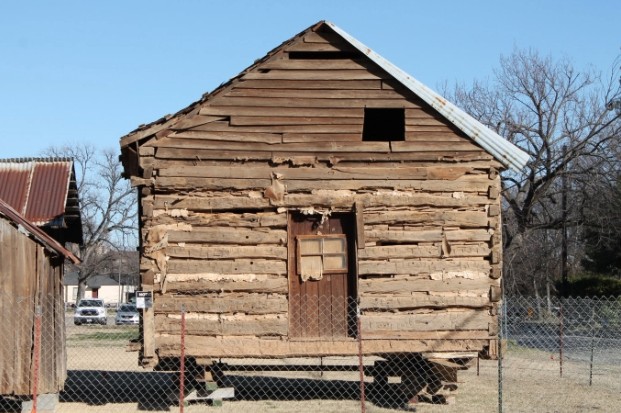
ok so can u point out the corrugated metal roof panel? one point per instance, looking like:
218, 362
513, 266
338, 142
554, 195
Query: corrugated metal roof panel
36, 187
503, 150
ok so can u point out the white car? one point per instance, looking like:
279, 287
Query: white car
90, 311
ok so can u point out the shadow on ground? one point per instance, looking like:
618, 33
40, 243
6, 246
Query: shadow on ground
159, 391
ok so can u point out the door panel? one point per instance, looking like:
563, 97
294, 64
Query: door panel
321, 307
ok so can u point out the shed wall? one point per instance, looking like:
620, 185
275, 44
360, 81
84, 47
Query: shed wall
30, 278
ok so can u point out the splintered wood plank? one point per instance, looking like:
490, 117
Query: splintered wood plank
311, 84
211, 183
225, 235
314, 75
399, 251
230, 325
236, 266
461, 145
218, 252
190, 122
223, 303
467, 319
204, 346
337, 172
329, 147
354, 127
225, 219
444, 218
282, 111
423, 300
211, 204
466, 268
327, 102
315, 64
357, 184
228, 134
322, 93
400, 285
335, 46
427, 235
196, 155
292, 120
221, 283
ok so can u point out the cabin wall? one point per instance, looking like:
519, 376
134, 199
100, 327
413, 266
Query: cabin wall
217, 187
30, 278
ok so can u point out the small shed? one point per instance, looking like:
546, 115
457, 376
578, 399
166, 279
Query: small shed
44, 191
320, 183
31, 270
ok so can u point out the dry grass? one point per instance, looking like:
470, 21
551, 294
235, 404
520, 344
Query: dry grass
103, 377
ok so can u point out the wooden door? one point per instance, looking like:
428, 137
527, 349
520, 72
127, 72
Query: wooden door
322, 277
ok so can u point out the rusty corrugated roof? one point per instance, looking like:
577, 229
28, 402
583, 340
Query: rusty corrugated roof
33, 231
36, 188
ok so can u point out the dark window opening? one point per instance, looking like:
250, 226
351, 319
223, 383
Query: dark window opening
322, 55
383, 125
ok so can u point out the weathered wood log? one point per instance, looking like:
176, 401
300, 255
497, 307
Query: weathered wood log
433, 321
239, 236
218, 252
398, 285
196, 283
202, 346
223, 303
423, 300
236, 266
473, 268
230, 325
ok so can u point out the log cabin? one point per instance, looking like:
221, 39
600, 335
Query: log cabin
321, 199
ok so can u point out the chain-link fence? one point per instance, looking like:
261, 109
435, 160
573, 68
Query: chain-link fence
560, 354
557, 356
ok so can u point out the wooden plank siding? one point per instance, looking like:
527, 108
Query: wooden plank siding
31, 282
219, 184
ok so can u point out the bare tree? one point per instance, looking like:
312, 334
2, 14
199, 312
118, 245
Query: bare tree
107, 206
561, 117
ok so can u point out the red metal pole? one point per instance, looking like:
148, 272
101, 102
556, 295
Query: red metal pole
363, 407
36, 358
182, 362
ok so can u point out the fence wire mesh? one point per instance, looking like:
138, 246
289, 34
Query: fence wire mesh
560, 354
557, 356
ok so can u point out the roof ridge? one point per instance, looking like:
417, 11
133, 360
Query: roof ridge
37, 159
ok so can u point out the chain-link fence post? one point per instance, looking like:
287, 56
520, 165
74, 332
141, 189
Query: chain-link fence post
501, 337
360, 361
182, 362
560, 337
36, 362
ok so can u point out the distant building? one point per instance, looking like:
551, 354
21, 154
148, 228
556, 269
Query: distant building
104, 286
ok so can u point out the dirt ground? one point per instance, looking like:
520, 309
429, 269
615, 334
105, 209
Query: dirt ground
104, 377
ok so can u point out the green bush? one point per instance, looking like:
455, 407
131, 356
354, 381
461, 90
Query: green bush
593, 286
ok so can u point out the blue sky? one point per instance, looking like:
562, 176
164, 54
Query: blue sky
92, 71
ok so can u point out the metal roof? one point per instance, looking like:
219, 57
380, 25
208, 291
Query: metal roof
37, 188
43, 191
36, 233
504, 151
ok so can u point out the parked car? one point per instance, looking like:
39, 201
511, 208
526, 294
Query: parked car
127, 314
90, 311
